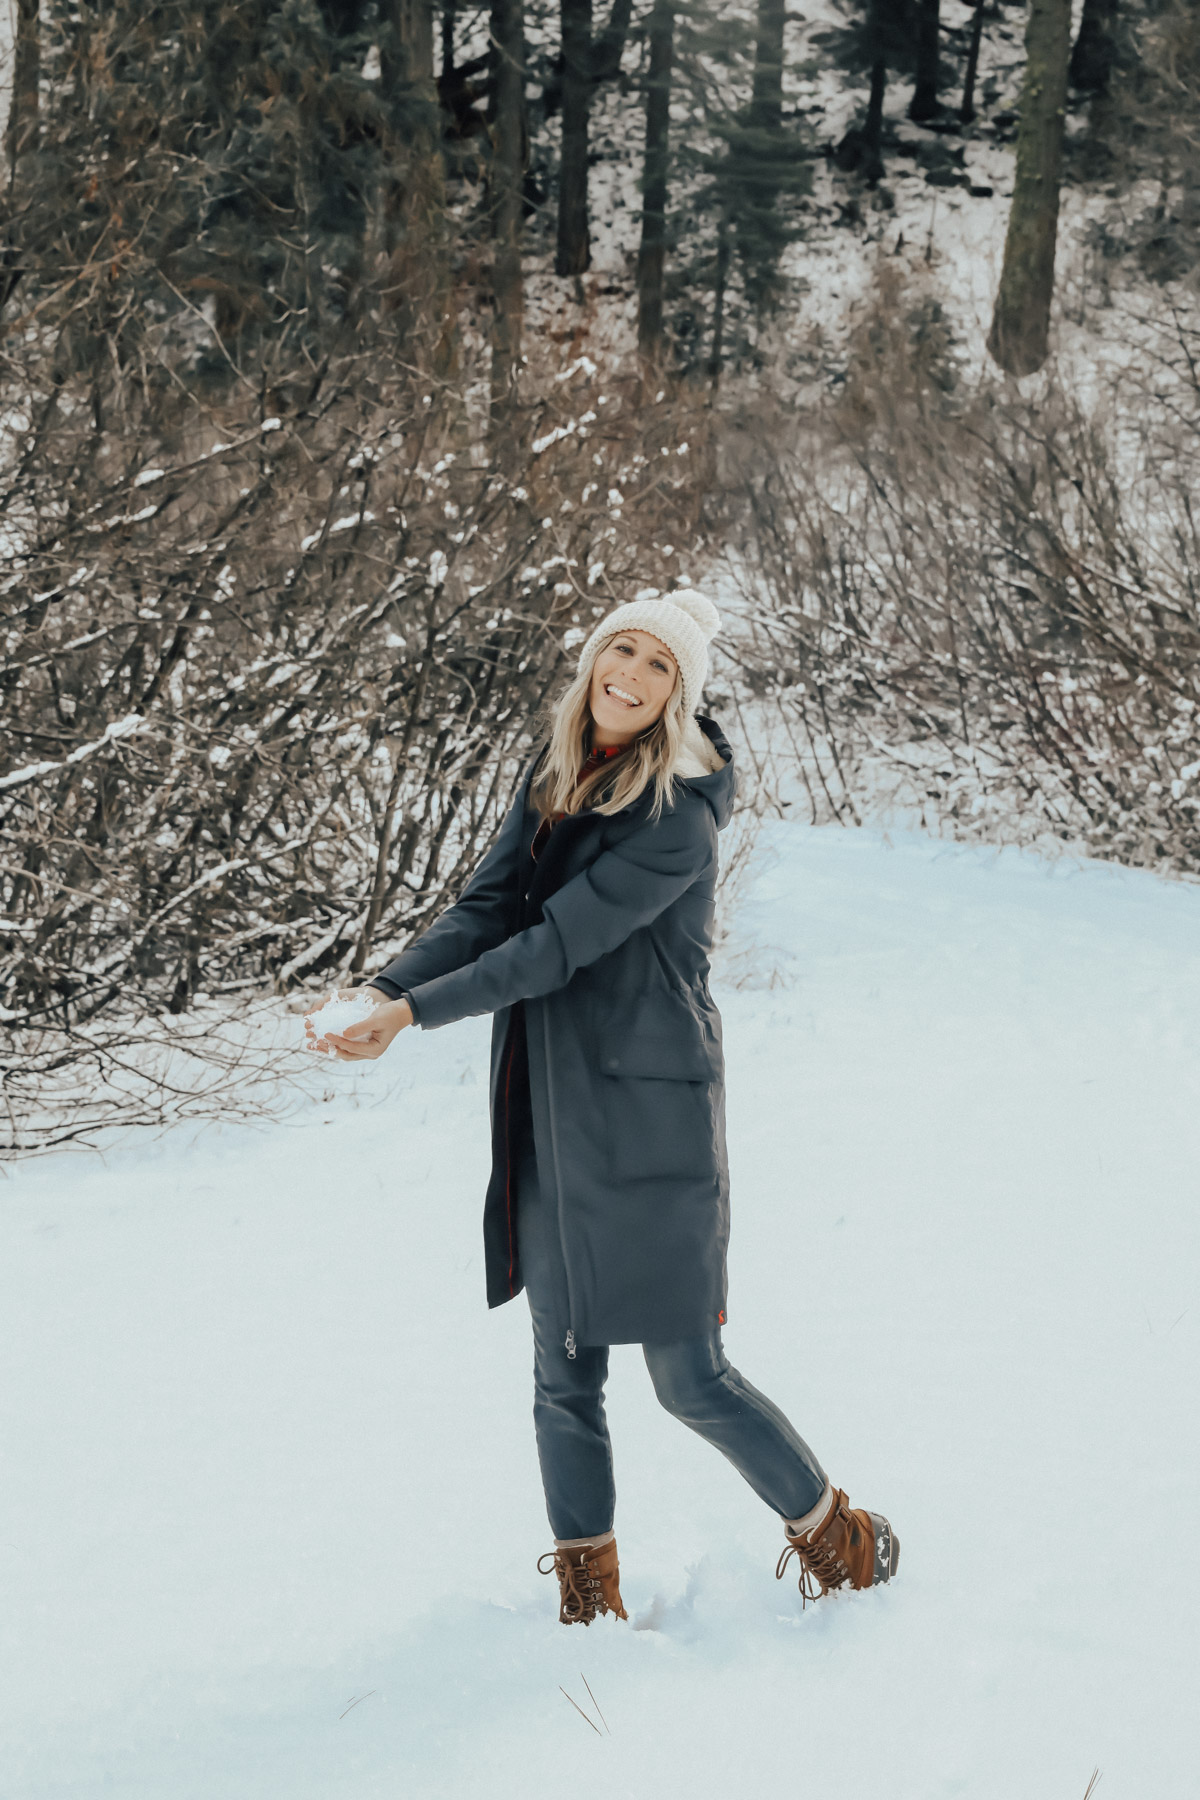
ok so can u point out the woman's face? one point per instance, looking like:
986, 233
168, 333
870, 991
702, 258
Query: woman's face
633, 677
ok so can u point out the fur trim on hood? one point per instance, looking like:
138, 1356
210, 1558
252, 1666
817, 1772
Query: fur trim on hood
697, 754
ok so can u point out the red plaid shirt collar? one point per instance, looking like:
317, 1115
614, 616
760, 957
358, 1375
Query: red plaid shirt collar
597, 757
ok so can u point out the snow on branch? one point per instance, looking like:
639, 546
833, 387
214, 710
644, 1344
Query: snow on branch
120, 728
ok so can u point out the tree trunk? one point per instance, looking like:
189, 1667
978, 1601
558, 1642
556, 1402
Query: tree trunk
966, 111
507, 27
1095, 48
1021, 321
653, 249
343, 17
873, 127
406, 51
449, 22
586, 63
27, 68
924, 103
414, 199
718, 330
766, 93
757, 164
609, 47
573, 254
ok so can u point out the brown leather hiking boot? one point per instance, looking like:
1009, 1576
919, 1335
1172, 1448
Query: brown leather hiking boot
842, 1547
588, 1581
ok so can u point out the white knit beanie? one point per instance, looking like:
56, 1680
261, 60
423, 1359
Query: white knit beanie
685, 621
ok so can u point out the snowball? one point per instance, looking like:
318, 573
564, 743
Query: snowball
336, 1014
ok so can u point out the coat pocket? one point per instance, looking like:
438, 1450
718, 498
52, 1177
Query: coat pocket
659, 1097
682, 1055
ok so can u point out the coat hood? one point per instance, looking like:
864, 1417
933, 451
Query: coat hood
705, 762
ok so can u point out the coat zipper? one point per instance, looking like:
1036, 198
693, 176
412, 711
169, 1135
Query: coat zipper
570, 1337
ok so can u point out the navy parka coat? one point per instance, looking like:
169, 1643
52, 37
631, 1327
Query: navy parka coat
605, 940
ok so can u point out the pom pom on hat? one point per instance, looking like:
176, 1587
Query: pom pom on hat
685, 621
700, 608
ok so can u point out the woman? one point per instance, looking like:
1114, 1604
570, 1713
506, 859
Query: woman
586, 931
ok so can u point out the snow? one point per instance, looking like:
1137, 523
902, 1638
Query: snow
7, 38
553, 437
120, 728
271, 1508
346, 523
336, 1015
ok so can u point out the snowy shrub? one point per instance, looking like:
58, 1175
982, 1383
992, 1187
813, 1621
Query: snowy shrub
986, 608
263, 732
278, 620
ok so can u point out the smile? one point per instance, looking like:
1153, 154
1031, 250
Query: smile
616, 693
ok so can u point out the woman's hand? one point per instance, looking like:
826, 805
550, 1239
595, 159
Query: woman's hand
370, 1037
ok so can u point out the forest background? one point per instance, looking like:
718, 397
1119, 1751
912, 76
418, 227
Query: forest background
355, 355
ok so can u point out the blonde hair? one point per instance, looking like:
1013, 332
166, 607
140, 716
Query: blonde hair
650, 758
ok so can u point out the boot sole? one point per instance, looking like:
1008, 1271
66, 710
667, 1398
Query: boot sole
887, 1549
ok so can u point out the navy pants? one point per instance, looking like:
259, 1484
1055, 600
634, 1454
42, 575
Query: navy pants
694, 1381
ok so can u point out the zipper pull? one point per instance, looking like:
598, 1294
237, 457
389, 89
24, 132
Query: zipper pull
571, 1345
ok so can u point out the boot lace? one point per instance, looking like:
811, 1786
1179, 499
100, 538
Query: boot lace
580, 1591
821, 1568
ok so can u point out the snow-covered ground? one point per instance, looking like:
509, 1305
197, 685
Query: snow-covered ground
270, 1506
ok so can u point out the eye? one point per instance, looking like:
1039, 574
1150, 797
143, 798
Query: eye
660, 666
625, 649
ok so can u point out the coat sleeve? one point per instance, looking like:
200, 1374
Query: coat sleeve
625, 888
480, 917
